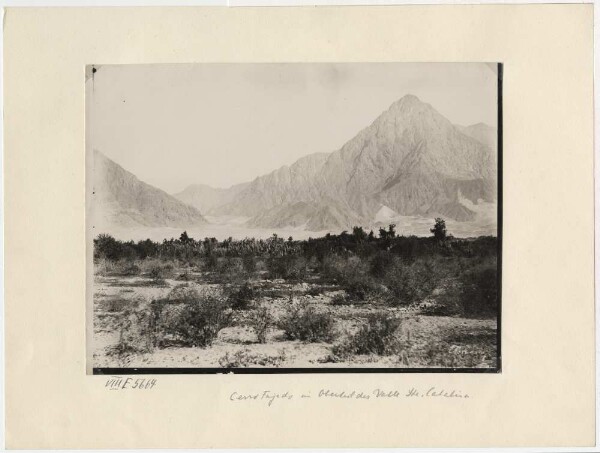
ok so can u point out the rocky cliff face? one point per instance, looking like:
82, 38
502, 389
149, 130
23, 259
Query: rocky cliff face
411, 160
122, 200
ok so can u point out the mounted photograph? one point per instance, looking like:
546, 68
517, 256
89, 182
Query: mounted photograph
293, 217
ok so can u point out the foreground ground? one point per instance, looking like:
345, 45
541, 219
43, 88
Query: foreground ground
422, 340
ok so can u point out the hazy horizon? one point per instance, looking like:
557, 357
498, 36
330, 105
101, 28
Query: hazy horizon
164, 122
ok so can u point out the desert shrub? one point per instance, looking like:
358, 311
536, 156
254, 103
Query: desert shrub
303, 322
136, 334
316, 290
352, 274
479, 290
211, 262
241, 298
190, 316
288, 267
260, 266
261, 321
118, 305
361, 288
410, 282
376, 336
332, 267
231, 269
121, 268
381, 263
185, 276
441, 306
340, 299
200, 321
102, 266
157, 269
107, 247
249, 264
129, 269
244, 358
156, 273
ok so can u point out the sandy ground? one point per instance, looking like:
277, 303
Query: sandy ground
427, 341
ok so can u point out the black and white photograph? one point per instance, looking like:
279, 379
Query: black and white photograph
294, 217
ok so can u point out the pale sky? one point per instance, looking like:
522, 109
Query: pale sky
221, 124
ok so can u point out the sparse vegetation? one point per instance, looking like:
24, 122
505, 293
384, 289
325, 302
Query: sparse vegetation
352, 289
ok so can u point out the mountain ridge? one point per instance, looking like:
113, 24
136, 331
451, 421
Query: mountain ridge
410, 158
122, 200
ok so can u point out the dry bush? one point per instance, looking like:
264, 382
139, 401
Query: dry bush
200, 321
121, 268
231, 270
411, 282
185, 276
190, 316
381, 263
440, 354
341, 299
210, 263
249, 263
117, 305
136, 333
241, 298
353, 275
288, 267
317, 290
303, 322
376, 336
261, 321
157, 269
244, 358
260, 266
479, 290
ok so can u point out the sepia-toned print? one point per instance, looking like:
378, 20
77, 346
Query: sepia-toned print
297, 217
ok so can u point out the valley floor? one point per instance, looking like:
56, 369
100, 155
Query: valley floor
224, 227
426, 341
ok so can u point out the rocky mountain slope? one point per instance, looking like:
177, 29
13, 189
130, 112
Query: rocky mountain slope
120, 199
483, 133
411, 160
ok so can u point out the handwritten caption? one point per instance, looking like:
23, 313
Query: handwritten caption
269, 397
128, 383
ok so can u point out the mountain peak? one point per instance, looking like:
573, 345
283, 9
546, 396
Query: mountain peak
408, 106
408, 101
409, 98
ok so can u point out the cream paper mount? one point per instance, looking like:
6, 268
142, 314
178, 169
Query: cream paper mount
544, 395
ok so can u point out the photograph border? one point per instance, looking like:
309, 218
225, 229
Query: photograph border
106, 371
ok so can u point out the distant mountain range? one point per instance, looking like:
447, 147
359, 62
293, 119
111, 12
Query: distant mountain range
411, 161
